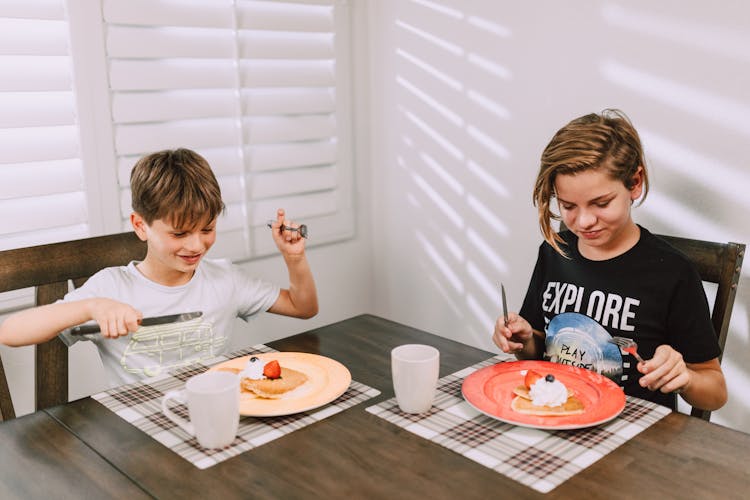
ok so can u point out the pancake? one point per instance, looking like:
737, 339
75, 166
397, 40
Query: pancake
522, 404
277, 387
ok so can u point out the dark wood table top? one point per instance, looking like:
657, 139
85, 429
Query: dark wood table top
355, 453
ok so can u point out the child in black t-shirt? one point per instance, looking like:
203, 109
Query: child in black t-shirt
607, 276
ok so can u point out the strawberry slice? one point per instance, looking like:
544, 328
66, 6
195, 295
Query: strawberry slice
531, 377
272, 369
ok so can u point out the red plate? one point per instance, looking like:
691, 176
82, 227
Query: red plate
490, 390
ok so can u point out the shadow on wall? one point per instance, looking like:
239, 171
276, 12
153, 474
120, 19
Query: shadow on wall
450, 157
479, 90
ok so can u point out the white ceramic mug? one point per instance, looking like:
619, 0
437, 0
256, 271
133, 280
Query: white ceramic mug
213, 401
415, 369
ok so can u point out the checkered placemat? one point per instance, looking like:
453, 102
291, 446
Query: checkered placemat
140, 404
539, 459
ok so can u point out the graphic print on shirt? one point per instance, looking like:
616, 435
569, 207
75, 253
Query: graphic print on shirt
171, 346
610, 310
575, 339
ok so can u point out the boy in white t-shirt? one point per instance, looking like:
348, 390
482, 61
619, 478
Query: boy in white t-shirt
176, 202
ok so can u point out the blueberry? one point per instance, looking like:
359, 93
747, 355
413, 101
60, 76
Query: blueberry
549, 378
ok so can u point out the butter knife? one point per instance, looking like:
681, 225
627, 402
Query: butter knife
505, 304
154, 320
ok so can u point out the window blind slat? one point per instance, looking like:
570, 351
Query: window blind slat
33, 37
268, 157
21, 145
29, 73
126, 41
273, 73
34, 109
284, 16
275, 129
41, 178
126, 74
281, 101
289, 182
143, 138
39, 9
284, 45
172, 105
43, 212
207, 13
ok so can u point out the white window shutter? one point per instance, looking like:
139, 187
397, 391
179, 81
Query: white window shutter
42, 189
256, 88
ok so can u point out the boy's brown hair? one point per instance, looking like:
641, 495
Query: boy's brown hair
606, 141
177, 186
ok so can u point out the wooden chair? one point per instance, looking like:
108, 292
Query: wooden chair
717, 263
49, 269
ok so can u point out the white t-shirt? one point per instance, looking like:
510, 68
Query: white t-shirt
220, 289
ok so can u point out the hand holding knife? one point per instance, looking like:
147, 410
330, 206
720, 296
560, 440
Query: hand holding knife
505, 304
88, 328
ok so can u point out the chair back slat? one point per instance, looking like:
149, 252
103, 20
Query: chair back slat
6, 403
49, 269
51, 367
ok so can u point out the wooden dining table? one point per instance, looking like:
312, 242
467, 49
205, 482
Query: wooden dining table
83, 450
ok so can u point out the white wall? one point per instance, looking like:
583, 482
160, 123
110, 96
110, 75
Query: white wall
466, 94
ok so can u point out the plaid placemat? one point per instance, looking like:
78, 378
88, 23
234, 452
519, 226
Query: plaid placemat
539, 459
140, 404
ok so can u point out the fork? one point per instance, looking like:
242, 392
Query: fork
628, 346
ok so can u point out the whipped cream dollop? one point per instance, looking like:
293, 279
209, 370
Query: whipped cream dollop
254, 369
548, 393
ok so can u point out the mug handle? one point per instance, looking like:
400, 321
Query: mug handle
180, 397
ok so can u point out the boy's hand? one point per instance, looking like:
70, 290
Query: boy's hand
665, 372
288, 242
115, 318
514, 336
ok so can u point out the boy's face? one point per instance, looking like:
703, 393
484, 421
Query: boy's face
596, 208
173, 253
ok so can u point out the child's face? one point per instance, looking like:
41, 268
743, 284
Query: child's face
596, 208
174, 253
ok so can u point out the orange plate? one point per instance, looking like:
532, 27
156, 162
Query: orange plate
490, 390
327, 379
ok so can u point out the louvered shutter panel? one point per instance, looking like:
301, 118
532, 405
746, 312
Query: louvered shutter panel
42, 189
251, 85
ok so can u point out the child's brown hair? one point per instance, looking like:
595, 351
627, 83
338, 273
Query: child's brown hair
607, 141
177, 186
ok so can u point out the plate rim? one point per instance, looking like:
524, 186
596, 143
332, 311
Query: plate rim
571, 426
317, 404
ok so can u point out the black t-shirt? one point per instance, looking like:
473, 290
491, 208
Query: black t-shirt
651, 294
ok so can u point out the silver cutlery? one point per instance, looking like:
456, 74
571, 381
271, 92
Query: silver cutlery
302, 228
627, 346
505, 304
155, 320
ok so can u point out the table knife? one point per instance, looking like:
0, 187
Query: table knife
505, 304
154, 320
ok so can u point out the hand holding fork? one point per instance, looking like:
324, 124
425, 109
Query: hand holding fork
627, 346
